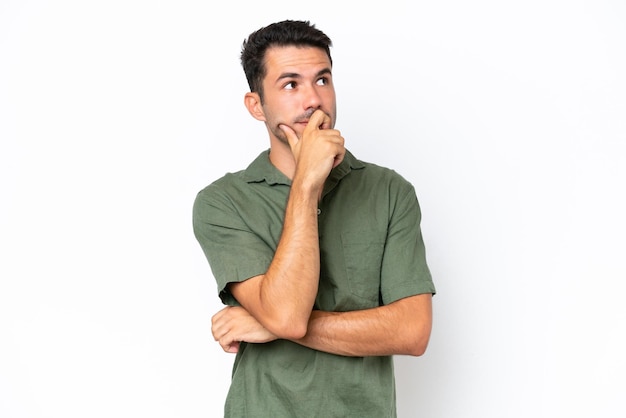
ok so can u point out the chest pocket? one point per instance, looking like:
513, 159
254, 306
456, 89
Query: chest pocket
363, 255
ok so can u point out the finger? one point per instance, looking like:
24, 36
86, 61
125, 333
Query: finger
318, 120
229, 344
219, 324
218, 330
292, 138
225, 346
339, 159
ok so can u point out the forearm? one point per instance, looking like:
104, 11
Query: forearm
284, 296
291, 282
402, 327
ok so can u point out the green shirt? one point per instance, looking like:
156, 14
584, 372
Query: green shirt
372, 254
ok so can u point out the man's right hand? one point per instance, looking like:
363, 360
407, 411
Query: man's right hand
317, 152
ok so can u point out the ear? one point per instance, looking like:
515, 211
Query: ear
253, 104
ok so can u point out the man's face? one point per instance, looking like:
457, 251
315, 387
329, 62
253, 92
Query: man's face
298, 81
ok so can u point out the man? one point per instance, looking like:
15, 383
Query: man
319, 256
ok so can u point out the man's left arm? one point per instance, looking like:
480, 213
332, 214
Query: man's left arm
402, 327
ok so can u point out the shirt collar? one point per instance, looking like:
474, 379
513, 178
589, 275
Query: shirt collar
261, 169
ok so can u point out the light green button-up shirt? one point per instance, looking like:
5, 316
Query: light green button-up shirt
372, 254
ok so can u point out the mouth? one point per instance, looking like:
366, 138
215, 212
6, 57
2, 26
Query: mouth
304, 119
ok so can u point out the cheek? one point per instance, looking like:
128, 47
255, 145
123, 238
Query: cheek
278, 133
272, 120
276, 113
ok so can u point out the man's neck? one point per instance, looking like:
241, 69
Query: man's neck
282, 158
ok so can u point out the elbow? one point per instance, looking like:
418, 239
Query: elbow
289, 328
295, 333
420, 334
419, 342
418, 349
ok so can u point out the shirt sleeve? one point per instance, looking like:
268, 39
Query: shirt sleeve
405, 271
233, 251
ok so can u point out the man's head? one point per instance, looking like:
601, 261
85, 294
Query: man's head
285, 33
289, 69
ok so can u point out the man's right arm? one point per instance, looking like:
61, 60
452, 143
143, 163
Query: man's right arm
282, 299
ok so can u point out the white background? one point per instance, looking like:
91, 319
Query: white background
508, 117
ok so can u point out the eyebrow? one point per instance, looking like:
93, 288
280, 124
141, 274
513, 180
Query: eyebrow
296, 75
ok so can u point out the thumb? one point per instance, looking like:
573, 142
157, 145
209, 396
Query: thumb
292, 138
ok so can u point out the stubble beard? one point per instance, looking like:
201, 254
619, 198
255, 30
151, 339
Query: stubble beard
282, 137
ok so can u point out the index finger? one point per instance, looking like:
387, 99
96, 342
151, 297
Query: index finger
292, 138
318, 120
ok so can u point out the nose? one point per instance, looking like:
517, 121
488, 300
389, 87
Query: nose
312, 98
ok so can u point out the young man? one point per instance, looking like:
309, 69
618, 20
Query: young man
318, 256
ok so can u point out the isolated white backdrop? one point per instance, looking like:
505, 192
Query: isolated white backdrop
508, 117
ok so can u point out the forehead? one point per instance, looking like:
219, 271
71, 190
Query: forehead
295, 59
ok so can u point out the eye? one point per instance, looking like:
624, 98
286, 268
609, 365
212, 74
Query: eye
322, 81
290, 85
